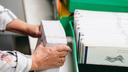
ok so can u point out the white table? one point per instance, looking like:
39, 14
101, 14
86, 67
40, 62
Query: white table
35, 11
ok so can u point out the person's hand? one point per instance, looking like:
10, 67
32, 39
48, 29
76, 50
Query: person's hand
33, 30
49, 57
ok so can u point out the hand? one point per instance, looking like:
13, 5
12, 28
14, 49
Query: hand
33, 30
49, 57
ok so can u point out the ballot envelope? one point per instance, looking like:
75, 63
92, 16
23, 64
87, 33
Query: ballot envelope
102, 37
52, 34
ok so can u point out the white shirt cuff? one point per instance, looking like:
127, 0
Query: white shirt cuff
24, 63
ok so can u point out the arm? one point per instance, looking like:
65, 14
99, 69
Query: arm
11, 61
42, 58
20, 26
9, 22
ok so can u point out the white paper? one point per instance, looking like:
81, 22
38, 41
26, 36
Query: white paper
104, 28
104, 33
52, 34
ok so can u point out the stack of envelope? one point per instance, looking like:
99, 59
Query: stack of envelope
102, 37
52, 34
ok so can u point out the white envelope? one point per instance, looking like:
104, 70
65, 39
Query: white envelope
100, 35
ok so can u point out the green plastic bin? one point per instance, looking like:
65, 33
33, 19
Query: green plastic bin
100, 5
68, 27
67, 23
97, 5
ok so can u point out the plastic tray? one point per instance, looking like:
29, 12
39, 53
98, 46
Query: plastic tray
68, 26
66, 22
100, 5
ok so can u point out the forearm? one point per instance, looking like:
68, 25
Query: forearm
20, 26
17, 26
9, 22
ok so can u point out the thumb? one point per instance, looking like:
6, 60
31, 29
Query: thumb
40, 45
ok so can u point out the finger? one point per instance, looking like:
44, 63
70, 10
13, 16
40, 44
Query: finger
61, 62
38, 32
40, 45
62, 54
63, 48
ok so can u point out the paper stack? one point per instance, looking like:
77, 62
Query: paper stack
52, 34
102, 37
